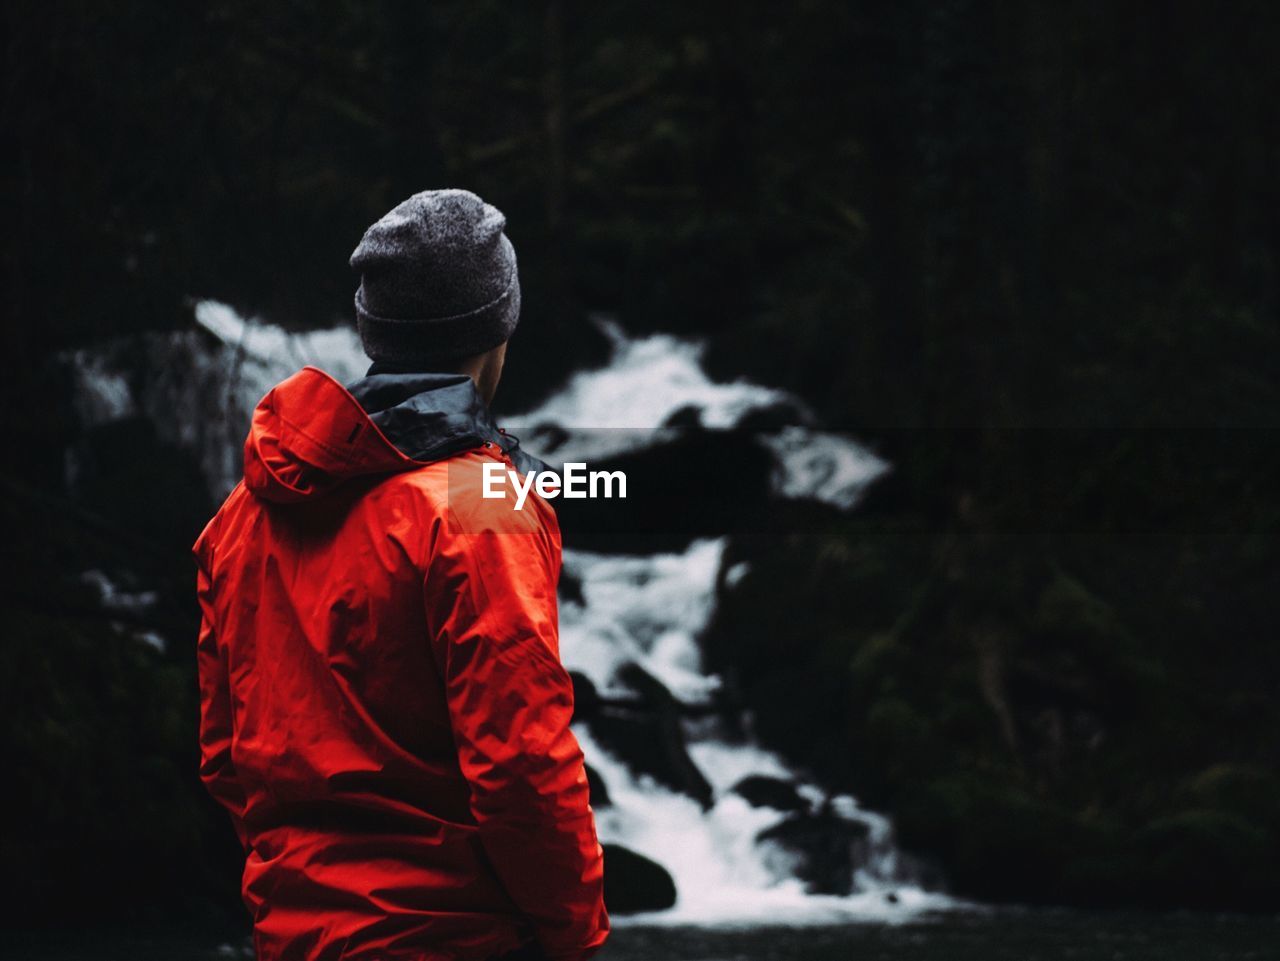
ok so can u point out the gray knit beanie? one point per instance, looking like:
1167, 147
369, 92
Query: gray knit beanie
438, 280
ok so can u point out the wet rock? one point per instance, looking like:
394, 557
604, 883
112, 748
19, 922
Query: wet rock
570, 588
634, 883
651, 691
775, 416
598, 793
656, 515
647, 735
760, 790
586, 700
546, 439
827, 849
689, 415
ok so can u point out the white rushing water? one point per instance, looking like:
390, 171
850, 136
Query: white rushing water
200, 388
650, 610
646, 381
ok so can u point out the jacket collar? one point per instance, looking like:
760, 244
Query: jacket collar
428, 416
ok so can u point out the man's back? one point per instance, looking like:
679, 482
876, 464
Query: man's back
384, 711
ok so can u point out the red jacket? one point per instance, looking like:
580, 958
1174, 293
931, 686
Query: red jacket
383, 707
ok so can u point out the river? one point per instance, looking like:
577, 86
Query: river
738, 895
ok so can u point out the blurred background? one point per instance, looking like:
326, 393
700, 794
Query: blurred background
976, 302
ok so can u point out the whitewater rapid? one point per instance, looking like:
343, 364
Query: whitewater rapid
648, 610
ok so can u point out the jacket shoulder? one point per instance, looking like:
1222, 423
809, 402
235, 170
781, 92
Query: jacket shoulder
208, 537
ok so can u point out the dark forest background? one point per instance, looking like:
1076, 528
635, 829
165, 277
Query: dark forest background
1027, 251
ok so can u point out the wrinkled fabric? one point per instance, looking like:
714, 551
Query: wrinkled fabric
384, 712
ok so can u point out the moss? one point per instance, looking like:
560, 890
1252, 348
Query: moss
1250, 791
1011, 707
1210, 859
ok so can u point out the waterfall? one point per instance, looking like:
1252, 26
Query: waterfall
649, 610
625, 612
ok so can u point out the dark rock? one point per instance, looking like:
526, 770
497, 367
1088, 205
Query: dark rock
647, 735
760, 790
598, 793
650, 744
586, 700
663, 509
653, 694
687, 416
651, 691
544, 439
775, 416
634, 883
570, 588
829, 848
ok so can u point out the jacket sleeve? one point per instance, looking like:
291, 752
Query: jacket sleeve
216, 770
491, 608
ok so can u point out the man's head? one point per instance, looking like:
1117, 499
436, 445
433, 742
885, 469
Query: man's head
439, 288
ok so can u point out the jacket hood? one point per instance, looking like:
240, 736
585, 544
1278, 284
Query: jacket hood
310, 434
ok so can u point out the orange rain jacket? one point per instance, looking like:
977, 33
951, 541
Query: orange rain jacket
383, 708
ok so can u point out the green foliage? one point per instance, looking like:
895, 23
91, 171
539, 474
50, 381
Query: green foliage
105, 809
1046, 736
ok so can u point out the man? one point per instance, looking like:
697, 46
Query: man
383, 708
